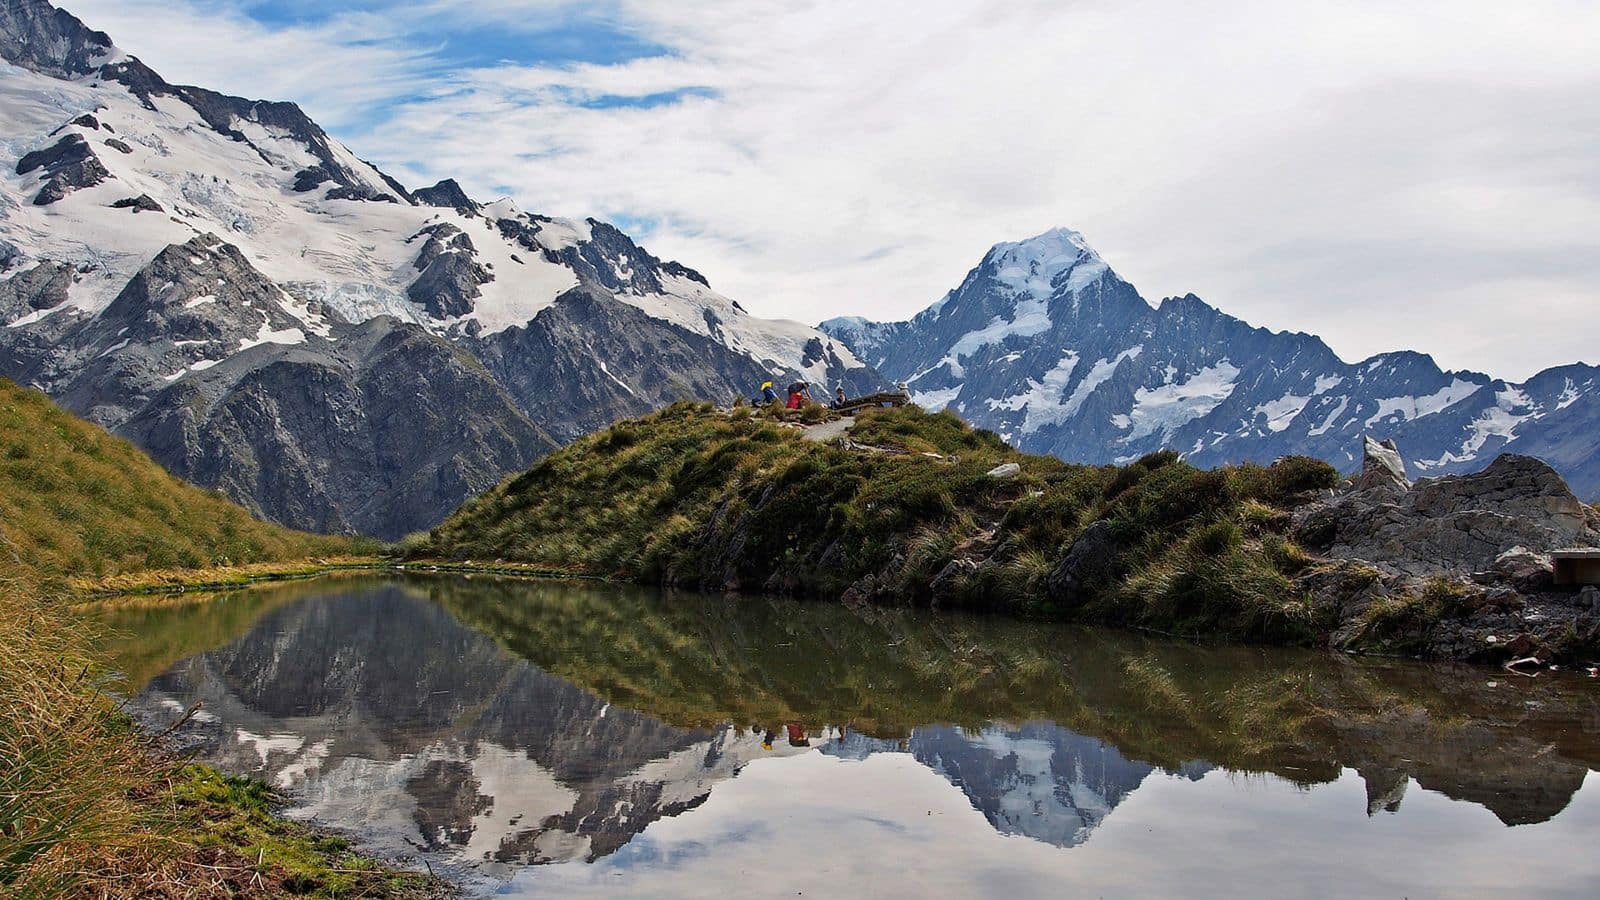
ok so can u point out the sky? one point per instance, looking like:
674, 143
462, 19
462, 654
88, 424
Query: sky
1420, 175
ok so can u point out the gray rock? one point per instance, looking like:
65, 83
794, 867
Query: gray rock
1458, 523
37, 36
945, 586
1524, 569
611, 361
448, 194
1381, 466
309, 178
1089, 565
1004, 471
451, 274
68, 164
358, 192
141, 203
42, 287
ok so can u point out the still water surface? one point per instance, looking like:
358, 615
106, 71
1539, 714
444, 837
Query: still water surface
571, 739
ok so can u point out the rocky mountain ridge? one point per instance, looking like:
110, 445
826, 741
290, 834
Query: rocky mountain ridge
224, 283
1045, 344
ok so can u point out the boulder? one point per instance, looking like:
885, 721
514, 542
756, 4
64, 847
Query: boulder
1004, 471
947, 584
1090, 564
1524, 569
1381, 467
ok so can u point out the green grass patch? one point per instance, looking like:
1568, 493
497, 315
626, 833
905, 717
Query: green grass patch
698, 497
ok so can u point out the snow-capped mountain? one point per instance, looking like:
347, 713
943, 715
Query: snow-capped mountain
222, 282
1046, 345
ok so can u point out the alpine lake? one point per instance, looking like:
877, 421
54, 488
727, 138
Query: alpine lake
569, 738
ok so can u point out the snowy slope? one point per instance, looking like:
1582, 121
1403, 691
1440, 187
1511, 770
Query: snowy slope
353, 256
1046, 345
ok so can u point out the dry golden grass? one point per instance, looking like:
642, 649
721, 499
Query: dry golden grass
213, 578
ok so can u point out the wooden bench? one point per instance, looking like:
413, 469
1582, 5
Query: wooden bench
1577, 566
882, 398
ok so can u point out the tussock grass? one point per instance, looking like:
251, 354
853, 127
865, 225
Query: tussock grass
694, 496
75, 501
88, 807
71, 771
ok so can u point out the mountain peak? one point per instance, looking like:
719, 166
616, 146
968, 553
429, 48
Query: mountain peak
1033, 266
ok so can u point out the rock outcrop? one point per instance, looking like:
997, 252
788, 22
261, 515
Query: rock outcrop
68, 164
1453, 524
451, 274
1456, 566
43, 286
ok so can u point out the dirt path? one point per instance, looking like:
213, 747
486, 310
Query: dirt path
827, 431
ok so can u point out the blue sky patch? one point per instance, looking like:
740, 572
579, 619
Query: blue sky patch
544, 38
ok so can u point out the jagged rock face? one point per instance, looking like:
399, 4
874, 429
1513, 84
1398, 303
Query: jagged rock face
229, 382
37, 36
448, 194
41, 287
619, 362
1381, 467
68, 164
1046, 345
265, 431
451, 274
139, 204
288, 343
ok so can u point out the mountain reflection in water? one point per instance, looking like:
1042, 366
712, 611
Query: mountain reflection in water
496, 725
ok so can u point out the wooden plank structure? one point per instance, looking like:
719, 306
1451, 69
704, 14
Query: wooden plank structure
1577, 566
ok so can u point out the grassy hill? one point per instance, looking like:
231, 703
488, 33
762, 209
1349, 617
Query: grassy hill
905, 510
85, 808
76, 501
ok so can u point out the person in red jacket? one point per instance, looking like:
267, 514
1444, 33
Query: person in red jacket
797, 395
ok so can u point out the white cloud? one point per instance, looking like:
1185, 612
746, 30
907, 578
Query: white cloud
337, 71
1385, 175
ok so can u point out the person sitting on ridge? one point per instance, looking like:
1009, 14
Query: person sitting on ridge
769, 394
838, 397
